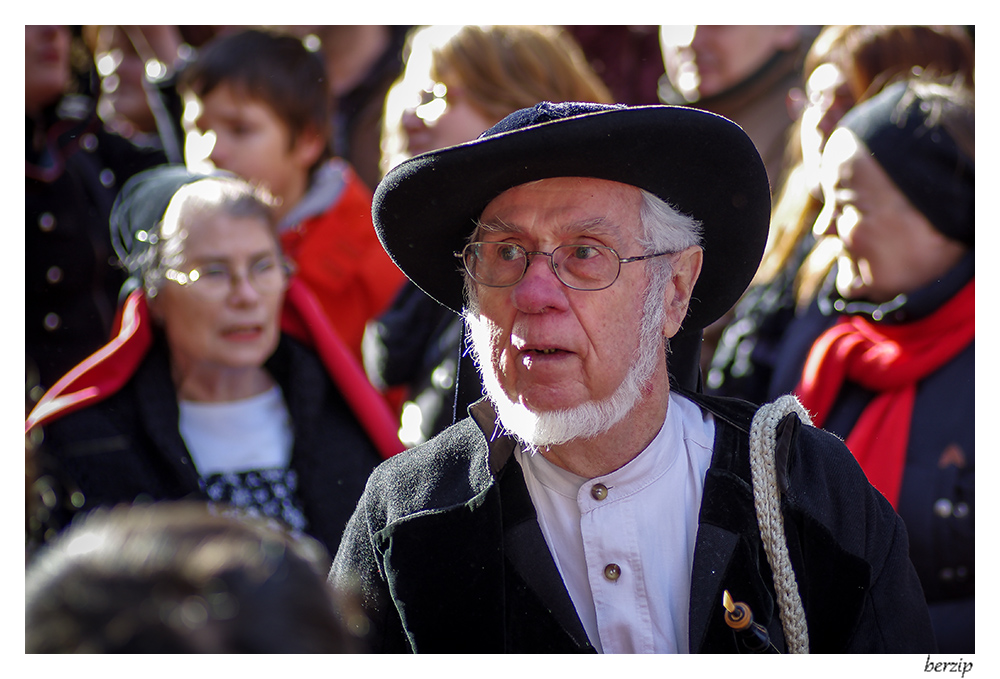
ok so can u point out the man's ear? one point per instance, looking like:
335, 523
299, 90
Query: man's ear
687, 267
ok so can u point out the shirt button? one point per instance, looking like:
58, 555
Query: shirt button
598, 491
942, 508
612, 571
53, 275
47, 222
947, 574
88, 142
961, 510
51, 321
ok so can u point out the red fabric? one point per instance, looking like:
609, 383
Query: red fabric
105, 371
340, 258
110, 367
890, 360
304, 319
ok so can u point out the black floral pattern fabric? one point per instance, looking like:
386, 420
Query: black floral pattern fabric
263, 492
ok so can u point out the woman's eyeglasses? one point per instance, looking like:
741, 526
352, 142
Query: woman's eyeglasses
217, 279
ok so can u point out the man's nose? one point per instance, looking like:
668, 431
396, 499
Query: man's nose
539, 290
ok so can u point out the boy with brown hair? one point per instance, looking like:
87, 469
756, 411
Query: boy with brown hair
264, 98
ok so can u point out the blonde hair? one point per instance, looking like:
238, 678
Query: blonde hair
500, 68
871, 57
506, 68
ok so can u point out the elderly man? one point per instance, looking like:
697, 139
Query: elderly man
586, 504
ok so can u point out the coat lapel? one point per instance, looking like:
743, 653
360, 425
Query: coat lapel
537, 576
160, 415
444, 568
515, 598
712, 554
728, 552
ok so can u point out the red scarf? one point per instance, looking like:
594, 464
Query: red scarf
890, 360
108, 369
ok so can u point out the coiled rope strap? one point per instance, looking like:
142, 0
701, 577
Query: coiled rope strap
767, 502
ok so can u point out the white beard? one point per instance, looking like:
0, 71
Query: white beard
584, 421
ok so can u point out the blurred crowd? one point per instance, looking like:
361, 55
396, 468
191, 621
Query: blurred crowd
219, 351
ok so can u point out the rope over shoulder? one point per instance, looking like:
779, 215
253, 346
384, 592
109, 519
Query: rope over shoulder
767, 502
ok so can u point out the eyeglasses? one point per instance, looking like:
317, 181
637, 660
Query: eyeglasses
580, 267
216, 280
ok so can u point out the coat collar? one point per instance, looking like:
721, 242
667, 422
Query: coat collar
500, 445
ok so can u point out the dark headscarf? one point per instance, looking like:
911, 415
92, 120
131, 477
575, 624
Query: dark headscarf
906, 129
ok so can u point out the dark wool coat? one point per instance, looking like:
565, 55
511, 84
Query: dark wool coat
447, 555
74, 168
129, 447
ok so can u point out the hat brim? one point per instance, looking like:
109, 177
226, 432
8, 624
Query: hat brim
700, 163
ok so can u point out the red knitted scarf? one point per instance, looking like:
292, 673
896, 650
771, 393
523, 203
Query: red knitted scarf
890, 360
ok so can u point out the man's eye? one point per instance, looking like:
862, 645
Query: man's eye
584, 252
508, 253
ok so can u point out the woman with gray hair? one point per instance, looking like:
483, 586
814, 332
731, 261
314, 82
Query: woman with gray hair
224, 382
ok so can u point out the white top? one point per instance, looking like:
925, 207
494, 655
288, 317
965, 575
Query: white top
238, 436
624, 542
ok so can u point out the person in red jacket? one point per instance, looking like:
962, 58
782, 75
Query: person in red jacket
263, 98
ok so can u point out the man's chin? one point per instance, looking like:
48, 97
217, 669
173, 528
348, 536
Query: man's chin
539, 429
542, 406
587, 420
556, 427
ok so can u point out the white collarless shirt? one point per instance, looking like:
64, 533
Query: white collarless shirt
237, 436
624, 542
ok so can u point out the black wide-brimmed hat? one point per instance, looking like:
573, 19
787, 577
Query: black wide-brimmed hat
700, 163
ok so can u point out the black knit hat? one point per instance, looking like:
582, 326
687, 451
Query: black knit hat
901, 126
700, 163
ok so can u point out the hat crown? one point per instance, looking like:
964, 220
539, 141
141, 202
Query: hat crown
545, 112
